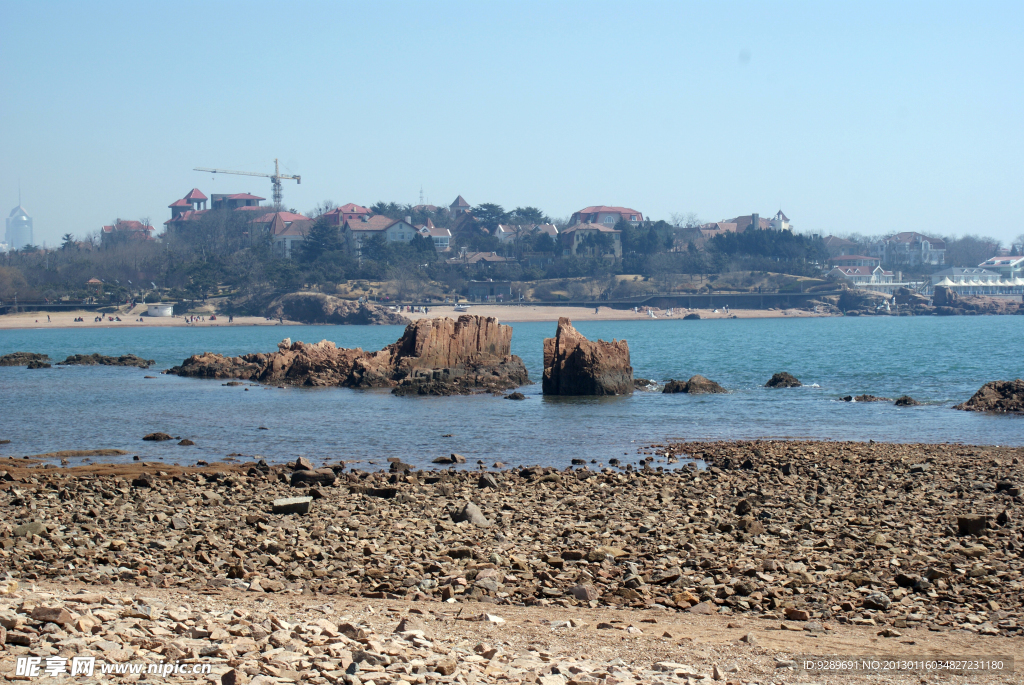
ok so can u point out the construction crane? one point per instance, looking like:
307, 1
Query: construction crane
275, 178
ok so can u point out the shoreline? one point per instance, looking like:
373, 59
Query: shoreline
778, 548
504, 313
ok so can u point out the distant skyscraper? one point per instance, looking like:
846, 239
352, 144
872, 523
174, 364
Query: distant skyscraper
19, 229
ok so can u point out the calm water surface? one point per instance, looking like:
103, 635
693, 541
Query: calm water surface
938, 361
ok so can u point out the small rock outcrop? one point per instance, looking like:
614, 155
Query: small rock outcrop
1002, 397
433, 357
574, 365
697, 385
865, 398
103, 360
906, 401
783, 380
22, 358
948, 303
692, 316
321, 308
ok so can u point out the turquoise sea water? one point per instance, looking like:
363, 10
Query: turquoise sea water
938, 361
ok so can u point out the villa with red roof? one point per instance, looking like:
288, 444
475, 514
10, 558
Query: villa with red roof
606, 216
350, 212
127, 230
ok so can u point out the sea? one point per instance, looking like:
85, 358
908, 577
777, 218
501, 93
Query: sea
939, 361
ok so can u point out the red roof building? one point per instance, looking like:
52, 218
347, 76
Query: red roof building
126, 230
606, 215
349, 212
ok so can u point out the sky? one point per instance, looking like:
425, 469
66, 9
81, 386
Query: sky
866, 117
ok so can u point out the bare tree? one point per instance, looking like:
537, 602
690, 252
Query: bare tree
685, 219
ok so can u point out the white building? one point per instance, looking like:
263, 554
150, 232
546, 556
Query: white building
911, 249
1008, 268
441, 236
393, 230
978, 281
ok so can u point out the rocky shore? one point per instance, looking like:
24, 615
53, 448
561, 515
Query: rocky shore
312, 308
894, 541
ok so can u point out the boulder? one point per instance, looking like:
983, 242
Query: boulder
574, 365
321, 308
783, 380
433, 357
157, 437
1002, 397
906, 401
22, 358
697, 385
692, 316
304, 478
291, 505
35, 364
944, 296
515, 396
470, 512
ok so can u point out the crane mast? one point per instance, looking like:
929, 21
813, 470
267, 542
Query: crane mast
275, 179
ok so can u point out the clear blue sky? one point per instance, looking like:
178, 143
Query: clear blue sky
867, 117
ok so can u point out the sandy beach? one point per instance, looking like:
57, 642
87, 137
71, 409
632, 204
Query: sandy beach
505, 313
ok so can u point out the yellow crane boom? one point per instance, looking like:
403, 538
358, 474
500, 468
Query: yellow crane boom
275, 178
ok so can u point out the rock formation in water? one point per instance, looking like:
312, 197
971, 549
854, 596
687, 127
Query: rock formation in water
906, 401
22, 358
320, 308
103, 360
783, 380
433, 357
865, 398
697, 385
574, 365
1003, 397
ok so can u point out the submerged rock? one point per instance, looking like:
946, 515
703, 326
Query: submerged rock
697, 385
783, 380
1001, 397
103, 360
865, 398
433, 357
574, 365
321, 308
22, 358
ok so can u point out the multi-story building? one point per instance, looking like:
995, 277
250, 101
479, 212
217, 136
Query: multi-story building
911, 249
356, 232
605, 216
19, 229
583, 239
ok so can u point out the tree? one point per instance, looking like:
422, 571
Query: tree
489, 215
323, 237
320, 209
376, 248
528, 215
69, 242
543, 242
970, 250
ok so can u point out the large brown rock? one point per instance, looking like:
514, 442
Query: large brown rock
574, 365
944, 297
1003, 397
22, 358
697, 385
433, 356
321, 308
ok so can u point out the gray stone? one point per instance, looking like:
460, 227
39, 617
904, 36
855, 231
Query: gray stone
292, 505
